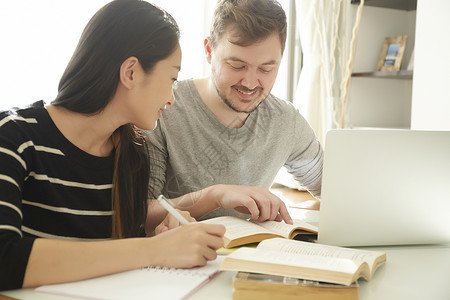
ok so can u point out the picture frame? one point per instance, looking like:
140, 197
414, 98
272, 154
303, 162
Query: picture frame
392, 52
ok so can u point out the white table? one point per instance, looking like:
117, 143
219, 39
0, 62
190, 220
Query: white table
411, 272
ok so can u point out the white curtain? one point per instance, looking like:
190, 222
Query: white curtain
321, 94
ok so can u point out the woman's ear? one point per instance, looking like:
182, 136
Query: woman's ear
128, 71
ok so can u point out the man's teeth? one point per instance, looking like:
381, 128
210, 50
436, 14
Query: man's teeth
246, 93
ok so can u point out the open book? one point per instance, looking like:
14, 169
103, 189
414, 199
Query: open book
305, 260
241, 232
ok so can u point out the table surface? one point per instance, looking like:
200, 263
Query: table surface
411, 272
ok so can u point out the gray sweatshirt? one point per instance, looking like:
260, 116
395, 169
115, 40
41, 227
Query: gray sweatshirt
190, 149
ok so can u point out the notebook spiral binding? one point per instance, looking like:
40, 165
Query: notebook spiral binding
165, 270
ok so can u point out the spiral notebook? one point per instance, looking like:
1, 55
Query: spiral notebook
144, 283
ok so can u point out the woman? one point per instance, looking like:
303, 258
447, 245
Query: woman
74, 173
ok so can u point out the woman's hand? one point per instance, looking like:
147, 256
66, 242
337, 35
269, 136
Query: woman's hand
189, 245
171, 222
259, 202
56, 261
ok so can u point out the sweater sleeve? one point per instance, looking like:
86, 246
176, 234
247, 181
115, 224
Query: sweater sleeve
158, 160
14, 254
14, 247
306, 160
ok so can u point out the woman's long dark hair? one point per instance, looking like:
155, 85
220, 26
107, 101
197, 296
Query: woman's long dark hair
119, 30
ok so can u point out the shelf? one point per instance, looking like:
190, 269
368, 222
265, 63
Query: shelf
380, 128
396, 4
403, 74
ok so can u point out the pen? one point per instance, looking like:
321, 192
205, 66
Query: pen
163, 201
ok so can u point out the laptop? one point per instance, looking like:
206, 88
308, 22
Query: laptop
385, 187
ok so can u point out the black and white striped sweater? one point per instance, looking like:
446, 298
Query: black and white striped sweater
49, 188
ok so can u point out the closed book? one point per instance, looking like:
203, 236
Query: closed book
252, 286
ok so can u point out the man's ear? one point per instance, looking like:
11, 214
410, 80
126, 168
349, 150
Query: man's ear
207, 47
128, 71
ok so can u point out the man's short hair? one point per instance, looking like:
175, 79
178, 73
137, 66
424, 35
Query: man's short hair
250, 20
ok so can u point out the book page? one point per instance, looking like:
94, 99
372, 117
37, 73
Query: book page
311, 267
284, 229
294, 259
237, 228
356, 255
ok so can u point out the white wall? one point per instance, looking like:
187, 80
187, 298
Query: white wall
375, 102
431, 85
38, 38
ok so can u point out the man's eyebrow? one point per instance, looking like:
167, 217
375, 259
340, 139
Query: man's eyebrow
272, 62
233, 58
177, 67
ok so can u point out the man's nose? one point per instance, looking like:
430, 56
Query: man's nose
250, 79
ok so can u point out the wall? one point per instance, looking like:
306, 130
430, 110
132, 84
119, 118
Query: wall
431, 86
38, 39
375, 102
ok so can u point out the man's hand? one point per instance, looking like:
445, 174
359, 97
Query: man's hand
259, 202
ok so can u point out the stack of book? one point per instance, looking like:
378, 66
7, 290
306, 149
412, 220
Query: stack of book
288, 269
283, 268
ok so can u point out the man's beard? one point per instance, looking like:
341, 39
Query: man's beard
230, 105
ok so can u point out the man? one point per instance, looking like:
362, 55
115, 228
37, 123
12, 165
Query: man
226, 136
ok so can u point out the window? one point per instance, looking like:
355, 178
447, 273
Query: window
39, 37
